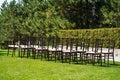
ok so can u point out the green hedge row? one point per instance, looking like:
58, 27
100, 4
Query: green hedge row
105, 33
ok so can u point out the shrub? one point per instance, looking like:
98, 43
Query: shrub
104, 33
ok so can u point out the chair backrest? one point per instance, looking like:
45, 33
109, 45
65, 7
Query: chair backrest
97, 45
59, 45
110, 45
33, 40
66, 43
51, 42
86, 44
39, 39
80, 44
24, 40
42, 42
73, 43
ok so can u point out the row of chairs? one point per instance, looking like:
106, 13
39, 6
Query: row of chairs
69, 50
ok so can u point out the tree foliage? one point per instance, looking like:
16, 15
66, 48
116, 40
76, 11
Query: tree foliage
31, 17
47, 17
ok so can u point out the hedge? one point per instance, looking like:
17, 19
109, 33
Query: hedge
104, 33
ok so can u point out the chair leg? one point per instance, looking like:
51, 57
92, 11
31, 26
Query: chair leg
19, 52
34, 54
107, 59
41, 55
113, 59
48, 55
28, 52
93, 59
81, 58
104, 58
13, 53
100, 59
75, 57
85, 58
69, 58
22, 52
8, 52
55, 55
62, 56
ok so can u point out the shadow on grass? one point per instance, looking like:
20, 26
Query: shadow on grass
116, 65
111, 65
3, 52
105, 65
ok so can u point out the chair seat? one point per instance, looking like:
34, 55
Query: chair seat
40, 48
93, 52
25, 47
81, 51
13, 46
52, 49
106, 52
34, 46
66, 51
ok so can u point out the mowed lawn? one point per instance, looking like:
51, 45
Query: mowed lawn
15, 68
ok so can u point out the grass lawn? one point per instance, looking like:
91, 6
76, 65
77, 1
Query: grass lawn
15, 68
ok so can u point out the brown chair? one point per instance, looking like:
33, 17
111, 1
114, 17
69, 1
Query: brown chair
52, 48
27, 46
55, 49
79, 53
66, 50
12, 45
41, 49
95, 54
108, 52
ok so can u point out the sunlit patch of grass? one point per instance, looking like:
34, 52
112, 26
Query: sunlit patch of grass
15, 68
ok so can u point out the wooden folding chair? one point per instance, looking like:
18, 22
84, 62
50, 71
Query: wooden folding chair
95, 54
108, 52
12, 46
27, 45
41, 49
79, 53
66, 50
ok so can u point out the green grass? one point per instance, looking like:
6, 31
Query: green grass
15, 68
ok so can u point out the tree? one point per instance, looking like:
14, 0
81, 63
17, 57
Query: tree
111, 13
47, 17
32, 17
43, 18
